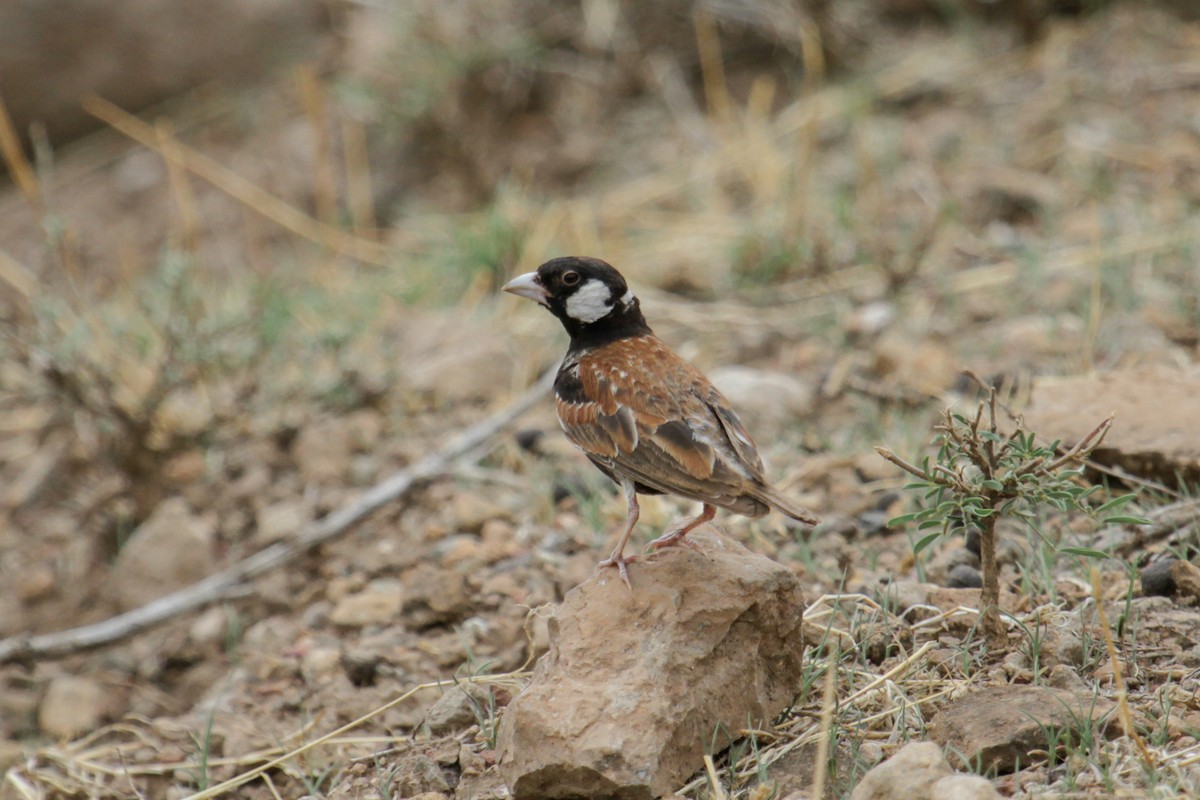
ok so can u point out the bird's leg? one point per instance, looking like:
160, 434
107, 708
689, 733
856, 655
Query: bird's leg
618, 558
675, 535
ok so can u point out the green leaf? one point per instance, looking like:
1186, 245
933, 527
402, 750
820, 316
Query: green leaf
903, 519
1115, 503
925, 542
1125, 520
932, 523
1086, 552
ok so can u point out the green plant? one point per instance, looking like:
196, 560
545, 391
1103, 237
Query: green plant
201, 776
981, 474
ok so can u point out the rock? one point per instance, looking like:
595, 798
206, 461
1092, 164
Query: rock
626, 701
964, 576
72, 706
1157, 429
1186, 577
870, 319
907, 775
416, 774
171, 549
1157, 579
459, 707
433, 595
379, 603
963, 787
907, 599
282, 520
1063, 677
943, 562
1000, 728
766, 399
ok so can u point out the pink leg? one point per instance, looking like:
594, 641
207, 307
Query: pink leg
618, 558
675, 535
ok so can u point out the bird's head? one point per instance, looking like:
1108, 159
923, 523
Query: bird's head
588, 295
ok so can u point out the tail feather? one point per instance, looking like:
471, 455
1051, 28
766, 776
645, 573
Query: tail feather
772, 497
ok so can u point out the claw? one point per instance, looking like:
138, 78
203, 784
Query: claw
619, 561
672, 539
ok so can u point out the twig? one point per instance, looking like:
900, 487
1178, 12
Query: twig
231, 579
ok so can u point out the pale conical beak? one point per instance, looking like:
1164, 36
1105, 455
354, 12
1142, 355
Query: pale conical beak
527, 286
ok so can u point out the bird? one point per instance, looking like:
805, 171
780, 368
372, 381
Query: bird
643, 415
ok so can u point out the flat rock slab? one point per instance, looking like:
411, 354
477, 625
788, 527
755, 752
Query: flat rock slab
637, 686
1156, 432
997, 729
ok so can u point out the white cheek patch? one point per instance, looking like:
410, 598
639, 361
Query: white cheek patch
590, 302
628, 298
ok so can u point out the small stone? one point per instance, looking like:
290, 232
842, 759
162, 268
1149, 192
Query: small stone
72, 705
458, 708
907, 775
209, 627
1063, 677
870, 319
964, 576
321, 663
282, 520
379, 603
499, 538
946, 560
184, 413
1157, 579
417, 773
433, 596
472, 511
36, 582
171, 549
963, 787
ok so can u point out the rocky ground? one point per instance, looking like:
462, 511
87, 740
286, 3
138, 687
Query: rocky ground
203, 368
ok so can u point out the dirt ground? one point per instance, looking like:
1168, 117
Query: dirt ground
219, 335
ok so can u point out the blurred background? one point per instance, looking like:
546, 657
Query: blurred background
249, 260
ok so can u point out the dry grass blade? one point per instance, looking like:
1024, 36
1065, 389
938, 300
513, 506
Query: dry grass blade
714, 782
18, 166
1118, 675
828, 703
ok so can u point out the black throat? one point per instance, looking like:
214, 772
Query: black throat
624, 322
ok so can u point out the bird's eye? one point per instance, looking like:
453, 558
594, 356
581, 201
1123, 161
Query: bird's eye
570, 278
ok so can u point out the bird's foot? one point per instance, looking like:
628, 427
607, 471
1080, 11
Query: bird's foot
619, 560
672, 539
